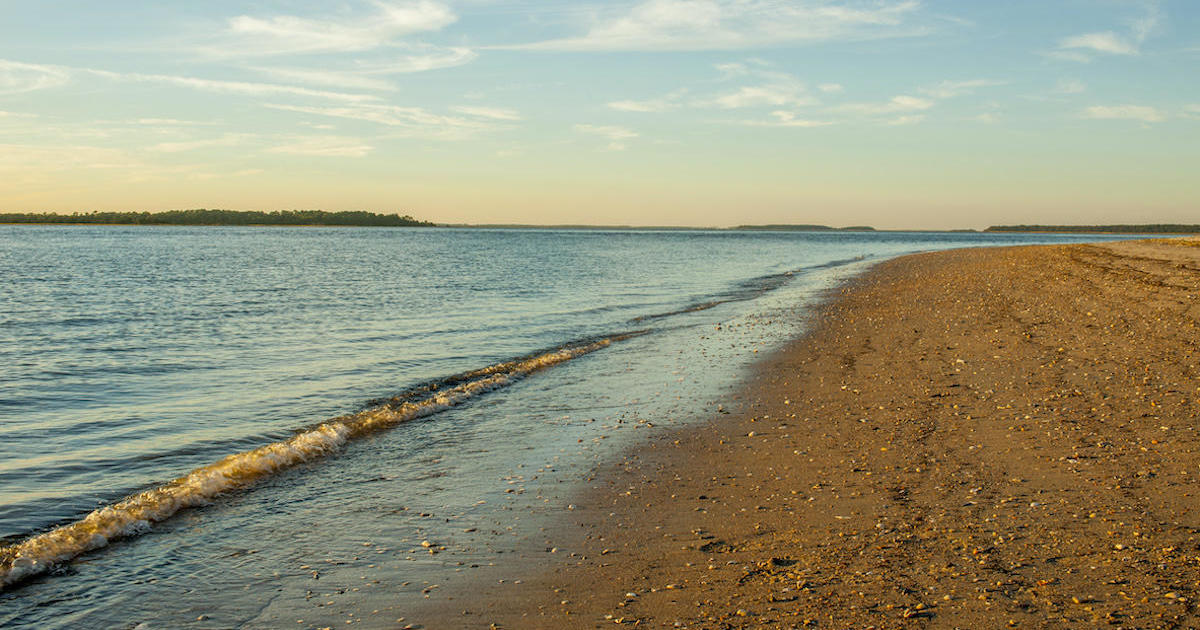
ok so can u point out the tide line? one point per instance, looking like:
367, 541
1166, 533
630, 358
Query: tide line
135, 514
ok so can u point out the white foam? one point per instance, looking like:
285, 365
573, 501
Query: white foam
135, 514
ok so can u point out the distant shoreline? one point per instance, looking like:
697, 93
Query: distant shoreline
205, 217
1164, 229
319, 218
1146, 228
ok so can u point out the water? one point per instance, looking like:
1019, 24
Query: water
518, 359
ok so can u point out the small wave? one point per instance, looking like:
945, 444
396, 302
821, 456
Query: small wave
841, 262
745, 290
693, 308
134, 514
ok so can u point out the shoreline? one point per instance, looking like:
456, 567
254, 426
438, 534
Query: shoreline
1138, 231
982, 437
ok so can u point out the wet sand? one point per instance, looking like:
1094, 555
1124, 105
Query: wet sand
978, 438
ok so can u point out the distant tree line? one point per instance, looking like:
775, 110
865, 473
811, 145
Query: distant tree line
803, 227
1154, 228
220, 217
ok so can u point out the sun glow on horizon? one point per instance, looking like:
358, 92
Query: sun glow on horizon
891, 113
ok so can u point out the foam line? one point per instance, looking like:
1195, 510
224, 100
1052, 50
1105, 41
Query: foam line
134, 514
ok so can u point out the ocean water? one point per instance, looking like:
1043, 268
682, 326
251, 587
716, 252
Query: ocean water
260, 427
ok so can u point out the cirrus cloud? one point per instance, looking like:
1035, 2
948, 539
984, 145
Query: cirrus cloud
370, 74
733, 24
897, 104
1143, 113
785, 118
413, 121
662, 104
324, 146
231, 87
493, 113
1081, 47
1106, 42
950, 89
17, 77
288, 34
615, 135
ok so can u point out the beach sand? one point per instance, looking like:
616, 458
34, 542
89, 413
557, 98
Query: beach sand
977, 438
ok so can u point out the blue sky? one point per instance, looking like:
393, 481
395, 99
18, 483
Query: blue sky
893, 113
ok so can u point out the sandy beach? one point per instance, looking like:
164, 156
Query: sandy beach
978, 438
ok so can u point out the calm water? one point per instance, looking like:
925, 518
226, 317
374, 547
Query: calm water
134, 356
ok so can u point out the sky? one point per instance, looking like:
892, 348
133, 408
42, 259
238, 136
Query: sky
891, 113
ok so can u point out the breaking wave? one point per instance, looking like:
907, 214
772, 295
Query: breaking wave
134, 514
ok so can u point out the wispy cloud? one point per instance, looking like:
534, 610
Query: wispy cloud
248, 35
734, 24
173, 122
951, 89
762, 96
232, 87
1082, 47
732, 69
371, 75
493, 113
206, 176
17, 77
899, 110
906, 120
226, 140
331, 78
429, 59
1070, 86
4, 114
666, 103
408, 121
1106, 42
45, 158
1143, 113
896, 105
324, 146
763, 87
783, 118
615, 135
781, 94
350, 50
1192, 111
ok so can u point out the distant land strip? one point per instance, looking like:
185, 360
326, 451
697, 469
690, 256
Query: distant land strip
220, 217
786, 227
1153, 228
